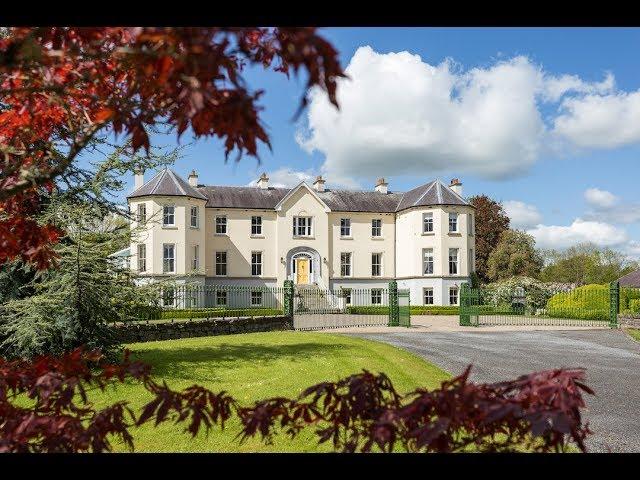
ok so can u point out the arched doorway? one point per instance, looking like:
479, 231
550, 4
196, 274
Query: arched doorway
303, 266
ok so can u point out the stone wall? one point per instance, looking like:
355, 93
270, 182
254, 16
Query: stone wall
166, 330
629, 322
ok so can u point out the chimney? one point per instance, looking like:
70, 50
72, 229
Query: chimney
193, 178
263, 181
381, 186
456, 186
319, 184
138, 179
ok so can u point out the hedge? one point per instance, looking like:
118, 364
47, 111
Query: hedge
590, 302
414, 310
219, 312
627, 297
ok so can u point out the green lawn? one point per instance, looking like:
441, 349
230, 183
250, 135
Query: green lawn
256, 366
635, 333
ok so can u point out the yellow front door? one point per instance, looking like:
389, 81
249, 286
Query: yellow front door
302, 271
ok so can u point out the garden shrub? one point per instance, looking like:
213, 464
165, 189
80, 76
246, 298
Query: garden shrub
634, 305
536, 293
589, 302
217, 312
627, 295
368, 310
435, 310
414, 309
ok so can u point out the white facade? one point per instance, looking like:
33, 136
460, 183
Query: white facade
302, 239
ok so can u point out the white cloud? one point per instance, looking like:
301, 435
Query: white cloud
580, 231
400, 115
609, 208
600, 198
600, 121
522, 215
632, 249
555, 87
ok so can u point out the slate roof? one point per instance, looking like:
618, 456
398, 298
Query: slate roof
432, 193
167, 183
243, 197
630, 279
357, 201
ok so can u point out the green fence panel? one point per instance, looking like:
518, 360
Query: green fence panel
404, 308
590, 305
614, 304
394, 311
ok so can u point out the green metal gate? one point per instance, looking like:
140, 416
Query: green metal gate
590, 306
404, 308
313, 308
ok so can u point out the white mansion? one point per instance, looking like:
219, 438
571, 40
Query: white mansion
262, 235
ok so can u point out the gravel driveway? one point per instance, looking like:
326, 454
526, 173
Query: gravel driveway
611, 358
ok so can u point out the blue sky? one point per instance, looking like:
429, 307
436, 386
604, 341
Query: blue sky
535, 117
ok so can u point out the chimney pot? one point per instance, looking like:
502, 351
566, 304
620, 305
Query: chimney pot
381, 186
263, 181
138, 179
456, 186
193, 178
319, 184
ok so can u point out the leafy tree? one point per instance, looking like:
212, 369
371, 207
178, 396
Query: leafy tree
586, 264
62, 88
514, 255
491, 221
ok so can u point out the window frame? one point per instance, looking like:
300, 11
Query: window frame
455, 216
142, 258
379, 264
165, 258
308, 226
456, 295
346, 294
376, 293
195, 260
216, 263
257, 226
218, 295
425, 216
424, 295
225, 224
141, 217
254, 264
191, 217
373, 228
471, 225
260, 296
456, 263
346, 225
350, 264
424, 262
165, 215
168, 297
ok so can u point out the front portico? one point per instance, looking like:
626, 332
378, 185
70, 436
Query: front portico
304, 266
